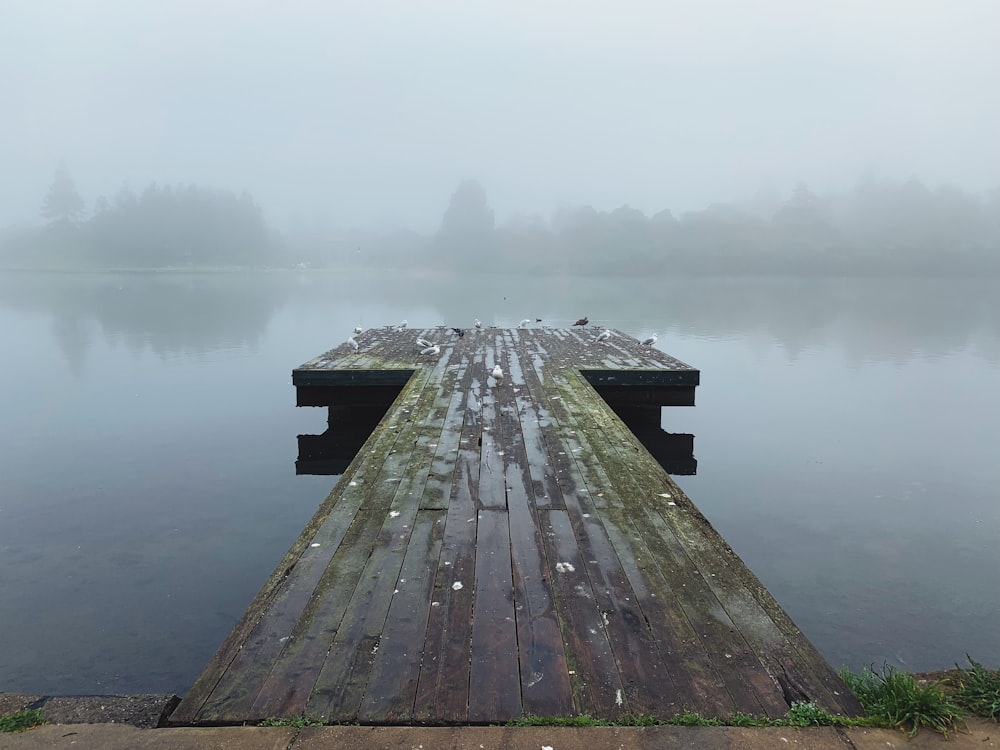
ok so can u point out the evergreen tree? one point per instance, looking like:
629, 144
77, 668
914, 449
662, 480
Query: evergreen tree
467, 234
62, 203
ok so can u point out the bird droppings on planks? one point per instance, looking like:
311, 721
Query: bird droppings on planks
506, 546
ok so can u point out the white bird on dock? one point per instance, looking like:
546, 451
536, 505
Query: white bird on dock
358, 329
497, 374
352, 343
603, 335
424, 342
650, 341
432, 350
478, 323
524, 323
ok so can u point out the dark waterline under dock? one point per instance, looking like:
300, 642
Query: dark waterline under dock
501, 549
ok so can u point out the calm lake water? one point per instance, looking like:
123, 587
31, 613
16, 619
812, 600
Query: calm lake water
847, 437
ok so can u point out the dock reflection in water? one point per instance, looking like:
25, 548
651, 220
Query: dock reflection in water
349, 426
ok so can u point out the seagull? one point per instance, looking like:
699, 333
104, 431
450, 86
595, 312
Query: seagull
650, 341
431, 350
524, 323
401, 326
497, 374
478, 323
424, 342
352, 343
358, 329
603, 335
582, 321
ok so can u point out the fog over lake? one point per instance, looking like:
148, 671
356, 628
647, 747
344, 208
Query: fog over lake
340, 115
803, 200
846, 434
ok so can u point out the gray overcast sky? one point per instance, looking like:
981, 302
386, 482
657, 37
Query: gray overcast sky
368, 112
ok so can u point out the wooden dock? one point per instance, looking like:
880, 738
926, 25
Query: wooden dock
501, 549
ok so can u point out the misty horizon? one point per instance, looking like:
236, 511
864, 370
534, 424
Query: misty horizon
763, 203
365, 116
878, 228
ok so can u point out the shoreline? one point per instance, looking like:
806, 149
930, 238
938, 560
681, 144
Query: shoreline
151, 710
112, 722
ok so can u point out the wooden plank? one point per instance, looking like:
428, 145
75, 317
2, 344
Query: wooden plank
545, 684
392, 684
683, 633
392, 687
602, 580
231, 679
492, 490
534, 418
559, 444
584, 458
285, 690
747, 683
577, 471
443, 685
772, 649
442, 693
287, 687
649, 688
781, 649
437, 491
339, 687
593, 673
503, 549
494, 680
238, 688
648, 684
700, 686
430, 453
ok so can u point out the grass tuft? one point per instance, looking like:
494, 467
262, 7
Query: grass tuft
582, 720
898, 699
978, 690
803, 714
641, 720
21, 720
297, 721
889, 697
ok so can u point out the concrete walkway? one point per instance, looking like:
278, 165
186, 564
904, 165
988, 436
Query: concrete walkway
981, 735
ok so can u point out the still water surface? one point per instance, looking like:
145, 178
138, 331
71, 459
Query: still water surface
847, 437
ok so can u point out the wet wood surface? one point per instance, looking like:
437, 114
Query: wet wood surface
501, 548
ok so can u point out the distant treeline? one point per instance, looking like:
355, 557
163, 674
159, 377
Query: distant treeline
877, 228
163, 226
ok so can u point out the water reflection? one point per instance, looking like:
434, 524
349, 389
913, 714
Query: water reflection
674, 451
349, 427
350, 424
873, 320
167, 313
151, 423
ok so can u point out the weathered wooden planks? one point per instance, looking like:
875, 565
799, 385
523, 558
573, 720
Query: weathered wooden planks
505, 548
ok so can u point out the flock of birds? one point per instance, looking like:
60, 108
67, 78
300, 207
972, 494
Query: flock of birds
431, 349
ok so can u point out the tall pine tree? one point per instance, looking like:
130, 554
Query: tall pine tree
62, 203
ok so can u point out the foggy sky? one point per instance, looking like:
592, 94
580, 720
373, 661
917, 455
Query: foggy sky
372, 112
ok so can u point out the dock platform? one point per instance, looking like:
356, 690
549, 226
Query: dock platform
499, 549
